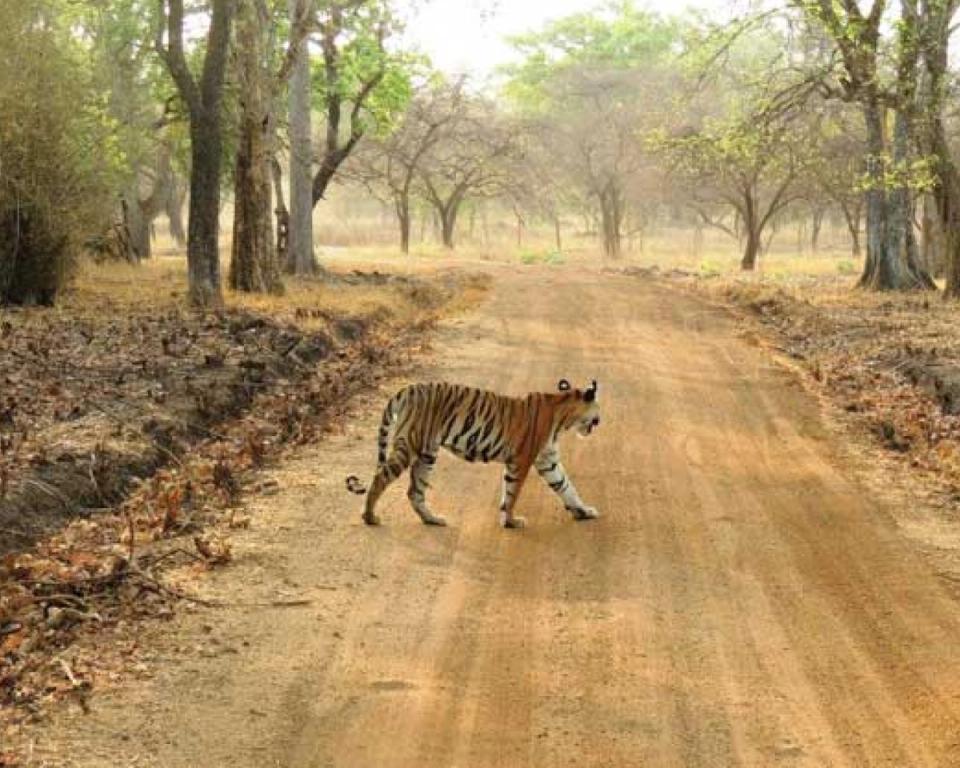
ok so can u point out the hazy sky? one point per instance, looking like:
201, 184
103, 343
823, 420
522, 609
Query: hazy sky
468, 35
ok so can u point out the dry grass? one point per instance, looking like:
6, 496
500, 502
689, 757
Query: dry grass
160, 285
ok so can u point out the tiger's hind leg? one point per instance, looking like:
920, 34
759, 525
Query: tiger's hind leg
513, 478
387, 472
419, 482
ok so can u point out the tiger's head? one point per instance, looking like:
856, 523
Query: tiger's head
583, 408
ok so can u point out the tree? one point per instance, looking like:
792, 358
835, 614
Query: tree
892, 259
936, 20
254, 264
750, 166
469, 159
359, 84
592, 84
203, 98
299, 256
389, 166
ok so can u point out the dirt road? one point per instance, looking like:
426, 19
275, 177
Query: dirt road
741, 602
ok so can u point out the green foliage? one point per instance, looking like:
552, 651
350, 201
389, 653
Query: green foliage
529, 257
550, 257
617, 36
61, 157
918, 174
732, 149
709, 268
363, 57
136, 87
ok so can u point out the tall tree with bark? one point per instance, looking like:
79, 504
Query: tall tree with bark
359, 84
254, 265
936, 19
299, 257
892, 260
203, 98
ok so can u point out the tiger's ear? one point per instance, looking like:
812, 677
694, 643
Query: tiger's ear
563, 385
591, 393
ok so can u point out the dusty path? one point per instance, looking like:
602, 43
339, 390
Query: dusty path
741, 602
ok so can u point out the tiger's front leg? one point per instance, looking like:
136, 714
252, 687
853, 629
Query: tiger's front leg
553, 474
513, 477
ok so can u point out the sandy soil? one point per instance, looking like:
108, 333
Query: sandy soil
743, 601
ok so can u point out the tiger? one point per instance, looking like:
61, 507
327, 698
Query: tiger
475, 424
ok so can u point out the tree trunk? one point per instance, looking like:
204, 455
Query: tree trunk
557, 234
751, 231
611, 212
816, 228
892, 258
281, 212
300, 258
933, 237
952, 273
938, 20
203, 255
176, 197
203, 98
751, 250
137, 222
253, 263
697, 246
448, 224
402, 207
947, 196
852, 216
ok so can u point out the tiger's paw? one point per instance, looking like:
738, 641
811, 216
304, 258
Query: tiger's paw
371, 519
585, 513
436, 520
512, 522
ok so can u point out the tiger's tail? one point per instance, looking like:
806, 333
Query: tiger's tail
383, 442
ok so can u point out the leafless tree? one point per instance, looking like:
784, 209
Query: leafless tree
389, 166
470, 159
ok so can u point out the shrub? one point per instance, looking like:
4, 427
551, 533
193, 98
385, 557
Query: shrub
58, 164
